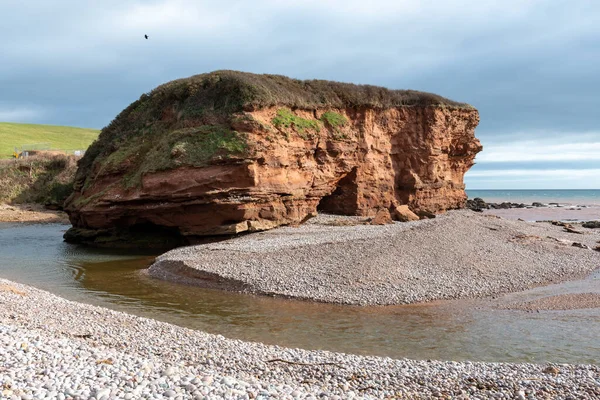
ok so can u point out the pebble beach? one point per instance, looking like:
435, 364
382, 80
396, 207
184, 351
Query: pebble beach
51, 348
461, 254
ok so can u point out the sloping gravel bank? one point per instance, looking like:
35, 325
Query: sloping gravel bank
458, 255
54, 348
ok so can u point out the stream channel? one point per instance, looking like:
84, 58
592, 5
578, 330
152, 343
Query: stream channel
473, 330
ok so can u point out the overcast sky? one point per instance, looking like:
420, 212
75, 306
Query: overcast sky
531, 68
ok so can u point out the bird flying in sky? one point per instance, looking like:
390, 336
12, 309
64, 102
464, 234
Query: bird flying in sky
146, 36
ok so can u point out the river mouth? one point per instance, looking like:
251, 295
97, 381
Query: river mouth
473, 330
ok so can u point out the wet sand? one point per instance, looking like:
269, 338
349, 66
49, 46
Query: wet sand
567, 213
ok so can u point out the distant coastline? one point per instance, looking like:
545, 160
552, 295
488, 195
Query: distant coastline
588, 197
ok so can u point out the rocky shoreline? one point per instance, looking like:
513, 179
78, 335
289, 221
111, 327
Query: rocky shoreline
457, 255
586, 214
54, 348
478, 204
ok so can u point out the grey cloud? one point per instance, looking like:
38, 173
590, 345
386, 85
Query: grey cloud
529, 67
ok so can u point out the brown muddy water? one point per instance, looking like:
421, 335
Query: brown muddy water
461, 330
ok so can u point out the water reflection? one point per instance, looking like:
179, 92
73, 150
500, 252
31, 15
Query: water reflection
36, 255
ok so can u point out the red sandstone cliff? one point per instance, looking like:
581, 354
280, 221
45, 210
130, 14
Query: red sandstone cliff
278, 166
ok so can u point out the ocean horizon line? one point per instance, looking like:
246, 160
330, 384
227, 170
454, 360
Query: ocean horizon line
529, 190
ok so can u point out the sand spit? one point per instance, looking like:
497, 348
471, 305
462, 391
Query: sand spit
461, 254
54, 348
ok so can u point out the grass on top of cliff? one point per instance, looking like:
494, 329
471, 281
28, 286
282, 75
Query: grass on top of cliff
53, 137
214, 99
234, 91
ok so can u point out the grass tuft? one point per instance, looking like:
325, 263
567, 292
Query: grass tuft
285, 119
334, 119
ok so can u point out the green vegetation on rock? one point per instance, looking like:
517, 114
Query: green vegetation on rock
56, 137
189, 121
198, 146
334, 119
234, 91
285, 119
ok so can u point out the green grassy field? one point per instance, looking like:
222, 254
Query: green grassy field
57, 137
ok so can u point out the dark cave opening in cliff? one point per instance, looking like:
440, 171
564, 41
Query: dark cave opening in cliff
344, 199
148, 235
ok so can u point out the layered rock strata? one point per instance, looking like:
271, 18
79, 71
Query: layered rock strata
229, 152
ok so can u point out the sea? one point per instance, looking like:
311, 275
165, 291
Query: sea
574, 197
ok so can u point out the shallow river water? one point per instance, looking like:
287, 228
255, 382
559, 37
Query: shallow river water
459, 330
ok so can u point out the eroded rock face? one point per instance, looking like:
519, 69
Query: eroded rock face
279, 167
